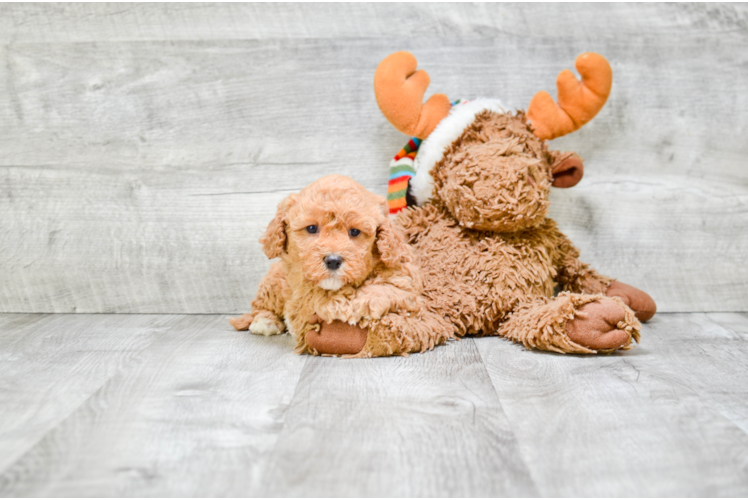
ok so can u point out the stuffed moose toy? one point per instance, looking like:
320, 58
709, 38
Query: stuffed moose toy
470, 191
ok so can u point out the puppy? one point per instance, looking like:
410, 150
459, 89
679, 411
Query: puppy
346, 283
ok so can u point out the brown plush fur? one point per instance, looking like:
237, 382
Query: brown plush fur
377, 288
491, 258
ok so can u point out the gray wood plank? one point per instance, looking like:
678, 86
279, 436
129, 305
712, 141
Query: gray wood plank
175, 21
426, 425
143, 147
52, 364
194, 414
127, 405
662, 420
708, 353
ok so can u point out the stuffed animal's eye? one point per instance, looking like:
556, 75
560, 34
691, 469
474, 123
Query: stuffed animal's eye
311, 229
354, 232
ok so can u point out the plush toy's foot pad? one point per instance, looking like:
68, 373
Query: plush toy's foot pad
640, 302
336, 338
598, 325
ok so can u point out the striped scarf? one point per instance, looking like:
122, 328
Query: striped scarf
401, 170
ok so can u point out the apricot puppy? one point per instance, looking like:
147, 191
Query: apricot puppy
346, 282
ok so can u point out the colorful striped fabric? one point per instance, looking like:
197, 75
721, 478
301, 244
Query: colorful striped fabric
401, 170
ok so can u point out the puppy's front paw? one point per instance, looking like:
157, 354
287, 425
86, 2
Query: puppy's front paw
264, 326
374, 305
377, 307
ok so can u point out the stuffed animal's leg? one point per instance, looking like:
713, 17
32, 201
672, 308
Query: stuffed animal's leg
392, 334
573, 323
335, 338
639, 301
402, 333
578, 277
266, 317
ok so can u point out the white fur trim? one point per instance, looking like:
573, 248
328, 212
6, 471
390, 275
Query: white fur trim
447, 132
331, 283
264, 326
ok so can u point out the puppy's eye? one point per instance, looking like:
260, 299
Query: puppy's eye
311, 229
354, 232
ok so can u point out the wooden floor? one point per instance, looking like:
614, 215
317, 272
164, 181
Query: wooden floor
165, 405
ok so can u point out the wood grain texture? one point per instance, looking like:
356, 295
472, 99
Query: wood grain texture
52, 364
127, 22
666, 419
427, 425
130, 405
707, 354
143, 148
193, 415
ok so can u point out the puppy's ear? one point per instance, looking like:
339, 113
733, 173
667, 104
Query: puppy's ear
274, 240
383, 207
393, 250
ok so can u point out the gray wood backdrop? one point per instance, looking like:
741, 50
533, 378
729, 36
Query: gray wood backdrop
143, 148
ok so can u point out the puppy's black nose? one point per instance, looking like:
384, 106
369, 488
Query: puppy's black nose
333, 262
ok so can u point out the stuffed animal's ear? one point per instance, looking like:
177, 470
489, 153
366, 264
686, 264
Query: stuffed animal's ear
393, 250
567, 170
274, 240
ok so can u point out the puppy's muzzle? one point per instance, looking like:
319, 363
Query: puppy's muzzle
333, 262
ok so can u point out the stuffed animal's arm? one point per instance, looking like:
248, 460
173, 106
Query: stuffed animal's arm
574, 275
266, 317
393, 334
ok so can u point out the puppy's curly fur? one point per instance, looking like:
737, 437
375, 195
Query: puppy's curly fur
377, 287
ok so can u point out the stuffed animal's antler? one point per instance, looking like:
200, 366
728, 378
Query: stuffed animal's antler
399, 89
578, 102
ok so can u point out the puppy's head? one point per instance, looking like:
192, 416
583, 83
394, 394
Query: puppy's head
336, 232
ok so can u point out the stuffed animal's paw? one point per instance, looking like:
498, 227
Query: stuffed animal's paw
336, 338
604, 325
641, 303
